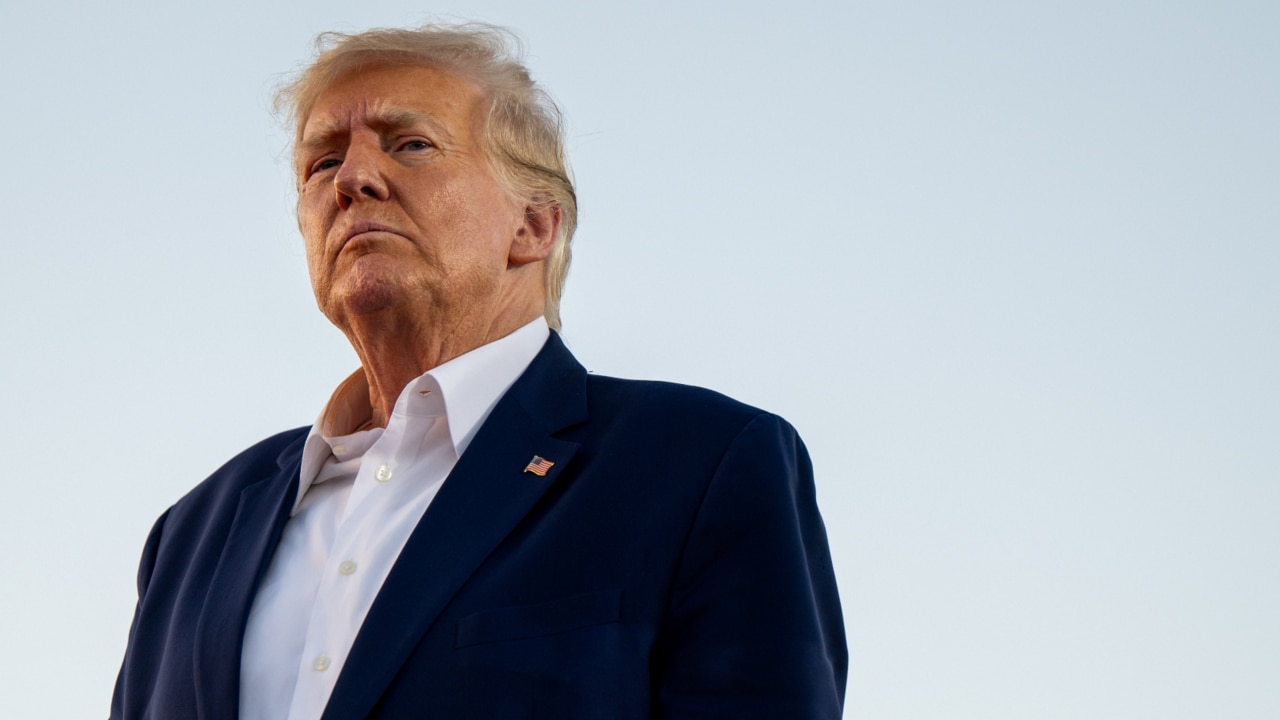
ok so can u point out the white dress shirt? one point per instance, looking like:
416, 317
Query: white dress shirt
361, 494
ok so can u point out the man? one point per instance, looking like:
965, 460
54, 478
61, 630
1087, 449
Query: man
475, 527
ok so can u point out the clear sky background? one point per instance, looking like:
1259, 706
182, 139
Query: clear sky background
1011, 268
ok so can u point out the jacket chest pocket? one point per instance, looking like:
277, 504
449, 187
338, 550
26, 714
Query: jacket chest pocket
602, 607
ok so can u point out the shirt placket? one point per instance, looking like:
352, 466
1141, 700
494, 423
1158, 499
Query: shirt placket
336, 603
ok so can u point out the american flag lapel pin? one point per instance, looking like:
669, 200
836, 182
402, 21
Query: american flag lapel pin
538, 466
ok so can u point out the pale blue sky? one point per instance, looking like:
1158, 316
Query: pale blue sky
1010, 268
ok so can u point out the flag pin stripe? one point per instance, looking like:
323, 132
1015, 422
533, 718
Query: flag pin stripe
538, 466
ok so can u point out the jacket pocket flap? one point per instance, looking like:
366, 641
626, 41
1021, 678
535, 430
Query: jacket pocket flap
549, 618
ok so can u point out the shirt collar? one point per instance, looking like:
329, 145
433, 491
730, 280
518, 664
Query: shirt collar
470, 386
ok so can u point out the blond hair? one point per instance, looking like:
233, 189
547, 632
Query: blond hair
523, 131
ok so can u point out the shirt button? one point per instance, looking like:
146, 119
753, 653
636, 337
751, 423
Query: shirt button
347, 567
339, 449
383, 474
322, 663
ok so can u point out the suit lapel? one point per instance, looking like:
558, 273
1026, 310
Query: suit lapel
260, 517
482, 501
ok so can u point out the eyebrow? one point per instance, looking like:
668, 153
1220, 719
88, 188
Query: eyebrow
383, 120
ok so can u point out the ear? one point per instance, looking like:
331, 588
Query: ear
536, 235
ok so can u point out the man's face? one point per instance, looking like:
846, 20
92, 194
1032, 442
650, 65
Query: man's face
397, 203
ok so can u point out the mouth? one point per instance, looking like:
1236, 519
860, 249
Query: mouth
363, 227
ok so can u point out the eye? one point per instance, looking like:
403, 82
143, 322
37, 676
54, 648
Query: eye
319, 167
415, 145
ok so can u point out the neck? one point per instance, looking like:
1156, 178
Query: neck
395, 350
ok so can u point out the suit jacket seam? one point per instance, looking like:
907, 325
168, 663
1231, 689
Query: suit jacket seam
697, 513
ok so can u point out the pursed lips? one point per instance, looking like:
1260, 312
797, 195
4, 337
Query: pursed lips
362, 227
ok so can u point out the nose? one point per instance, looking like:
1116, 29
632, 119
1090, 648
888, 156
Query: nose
360, 176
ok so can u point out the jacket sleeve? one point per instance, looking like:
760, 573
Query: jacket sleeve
145, 567
754, 627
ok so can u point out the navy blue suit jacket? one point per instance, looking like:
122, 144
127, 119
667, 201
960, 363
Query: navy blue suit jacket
671, 564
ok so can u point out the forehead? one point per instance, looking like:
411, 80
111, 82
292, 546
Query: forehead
394, 94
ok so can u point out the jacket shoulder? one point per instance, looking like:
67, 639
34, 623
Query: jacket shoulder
656, 396
672, 416
251, 465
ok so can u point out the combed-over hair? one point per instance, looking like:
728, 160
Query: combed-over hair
523, 132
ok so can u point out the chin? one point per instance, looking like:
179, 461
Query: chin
366, 293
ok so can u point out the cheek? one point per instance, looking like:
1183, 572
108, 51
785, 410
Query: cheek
489, 219
312, 226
